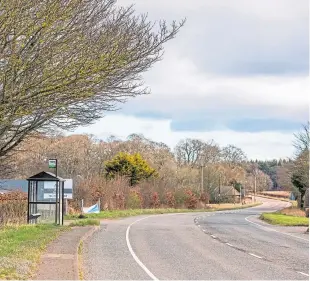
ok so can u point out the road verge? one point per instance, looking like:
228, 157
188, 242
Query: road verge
284, 220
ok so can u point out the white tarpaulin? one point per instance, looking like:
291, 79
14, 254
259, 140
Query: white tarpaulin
91, 209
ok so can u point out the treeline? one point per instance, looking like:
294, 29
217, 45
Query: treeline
278, 171
84, 159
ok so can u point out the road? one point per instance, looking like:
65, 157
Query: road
226, 245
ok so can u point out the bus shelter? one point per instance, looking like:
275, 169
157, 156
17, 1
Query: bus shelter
45, 198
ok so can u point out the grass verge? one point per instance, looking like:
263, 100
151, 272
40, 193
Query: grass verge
286, 220
22, 246
85, 222
115, 214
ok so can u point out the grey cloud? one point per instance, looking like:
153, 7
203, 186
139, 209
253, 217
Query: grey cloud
222, 37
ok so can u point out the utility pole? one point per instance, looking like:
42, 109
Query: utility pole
219, 187
201, 179
255, 187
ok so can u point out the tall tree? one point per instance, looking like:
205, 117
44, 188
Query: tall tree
300, 171
64, 63
189, 151
233, 155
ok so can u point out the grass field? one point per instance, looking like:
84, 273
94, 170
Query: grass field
115, 214
285, 220
21, 248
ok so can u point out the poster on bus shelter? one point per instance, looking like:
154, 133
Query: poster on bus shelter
50, 189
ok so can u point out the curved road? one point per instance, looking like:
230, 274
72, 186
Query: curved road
226, 245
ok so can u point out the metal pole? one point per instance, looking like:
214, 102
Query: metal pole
56, 204
62, 202
234, 195
29, 190
240, 193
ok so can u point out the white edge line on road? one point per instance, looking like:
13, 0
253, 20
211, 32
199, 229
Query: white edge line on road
147, 271
229, 244
303, 273
255, 256
262, 226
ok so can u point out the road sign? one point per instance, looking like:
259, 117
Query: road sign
52, 163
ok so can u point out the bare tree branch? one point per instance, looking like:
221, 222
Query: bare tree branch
64, 63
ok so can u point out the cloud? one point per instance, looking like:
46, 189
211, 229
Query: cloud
240, 37
180, 89
237, 73
264, 145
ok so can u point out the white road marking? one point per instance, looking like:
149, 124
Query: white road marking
255, 256
270, 229
147, 271
213, 236
229, 244
303, 273
198, 225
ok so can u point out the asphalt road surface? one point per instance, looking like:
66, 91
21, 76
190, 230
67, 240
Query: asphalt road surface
226, 245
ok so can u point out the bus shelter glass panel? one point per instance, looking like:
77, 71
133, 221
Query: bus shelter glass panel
45, 199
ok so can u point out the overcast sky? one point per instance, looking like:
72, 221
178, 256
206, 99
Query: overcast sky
236, 73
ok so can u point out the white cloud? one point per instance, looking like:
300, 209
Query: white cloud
178, 87
264, 145
212, 68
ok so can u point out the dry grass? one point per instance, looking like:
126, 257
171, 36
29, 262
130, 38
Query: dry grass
293, 211
13, 208
279, 194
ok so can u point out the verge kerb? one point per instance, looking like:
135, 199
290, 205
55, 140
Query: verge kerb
76, 258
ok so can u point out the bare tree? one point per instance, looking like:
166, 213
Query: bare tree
302, 139
210, 153
189, 151
300, 170
233, 155
64, 63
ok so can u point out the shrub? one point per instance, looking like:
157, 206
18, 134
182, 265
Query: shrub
180, 197
132, 166
170, 199
119, 200
13, 208
134, 200
155, 200
191, 200
204, 197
